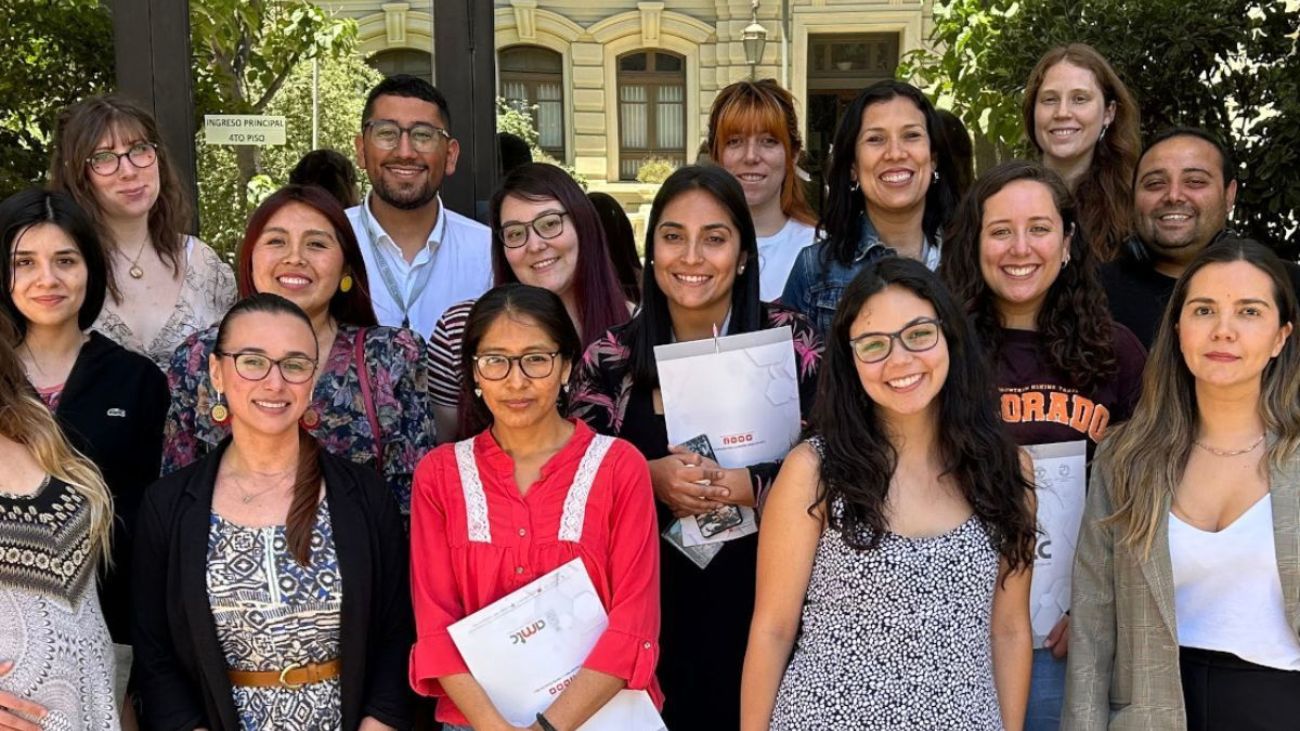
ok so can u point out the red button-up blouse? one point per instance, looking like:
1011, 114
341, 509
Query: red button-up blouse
453, 576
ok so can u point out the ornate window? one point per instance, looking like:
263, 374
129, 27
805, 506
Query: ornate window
651, 110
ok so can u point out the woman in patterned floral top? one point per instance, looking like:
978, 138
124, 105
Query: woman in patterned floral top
56, 658
701, 274
163, 284
271, 575
299, 245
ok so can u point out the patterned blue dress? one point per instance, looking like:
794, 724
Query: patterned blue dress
270, 613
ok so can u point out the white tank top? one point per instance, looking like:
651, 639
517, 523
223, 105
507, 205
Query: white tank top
1228, 592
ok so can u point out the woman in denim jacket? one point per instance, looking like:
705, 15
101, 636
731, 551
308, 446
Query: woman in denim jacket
893, 195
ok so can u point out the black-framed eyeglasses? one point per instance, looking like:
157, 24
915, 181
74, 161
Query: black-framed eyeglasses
497, 367
917, 337
107, 162
387, 135
254, 366
547, 226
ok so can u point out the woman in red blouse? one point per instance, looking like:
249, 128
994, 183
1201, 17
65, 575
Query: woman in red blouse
501, 509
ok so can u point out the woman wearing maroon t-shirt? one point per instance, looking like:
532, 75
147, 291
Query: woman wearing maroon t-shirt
1065, 371
530, 493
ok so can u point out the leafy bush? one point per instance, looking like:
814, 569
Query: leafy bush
655, 170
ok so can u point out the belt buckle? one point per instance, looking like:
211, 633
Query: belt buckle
284, 677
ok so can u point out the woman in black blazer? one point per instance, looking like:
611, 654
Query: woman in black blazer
271, 577
109, 401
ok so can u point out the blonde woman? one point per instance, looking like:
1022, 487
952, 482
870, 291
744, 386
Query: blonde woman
1185, 612
56, 658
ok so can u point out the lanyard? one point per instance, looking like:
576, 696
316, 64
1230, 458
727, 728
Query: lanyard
386, 272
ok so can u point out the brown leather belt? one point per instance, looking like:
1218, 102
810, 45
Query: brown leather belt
292, 677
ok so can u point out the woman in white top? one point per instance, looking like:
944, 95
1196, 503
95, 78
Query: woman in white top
754, 134
1186, 599
163, 284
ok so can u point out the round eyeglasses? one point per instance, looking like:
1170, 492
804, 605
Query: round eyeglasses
547, 226
253, 366
919, 336
497, 367
107, 162
387, 135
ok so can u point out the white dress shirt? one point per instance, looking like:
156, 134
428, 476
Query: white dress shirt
455, 265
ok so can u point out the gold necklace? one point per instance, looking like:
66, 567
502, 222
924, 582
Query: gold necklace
135, 271
245, 496
1229, 452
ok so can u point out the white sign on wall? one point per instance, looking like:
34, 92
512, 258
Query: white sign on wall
243, 129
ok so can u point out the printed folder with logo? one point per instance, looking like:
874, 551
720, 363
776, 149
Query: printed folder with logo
525, 648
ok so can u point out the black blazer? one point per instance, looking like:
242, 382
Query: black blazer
112, 409
180, 669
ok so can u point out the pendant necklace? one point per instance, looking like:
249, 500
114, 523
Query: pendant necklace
135, 271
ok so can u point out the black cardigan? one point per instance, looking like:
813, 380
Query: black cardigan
112, 409
180, 669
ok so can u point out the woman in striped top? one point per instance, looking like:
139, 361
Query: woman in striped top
548, 235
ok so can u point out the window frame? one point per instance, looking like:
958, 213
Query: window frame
652, 81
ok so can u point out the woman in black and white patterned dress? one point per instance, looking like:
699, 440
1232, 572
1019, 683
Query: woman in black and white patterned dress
897, 543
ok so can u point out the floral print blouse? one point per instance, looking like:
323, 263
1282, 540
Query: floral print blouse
398, 382
602, 382
207, 291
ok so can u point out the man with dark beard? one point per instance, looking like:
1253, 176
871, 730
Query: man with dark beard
1184, 187
420, 258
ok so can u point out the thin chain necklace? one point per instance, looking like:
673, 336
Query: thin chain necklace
1230, 452
135, 271
247, 497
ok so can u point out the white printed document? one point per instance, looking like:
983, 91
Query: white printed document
742, 392
1060, 478
525, 648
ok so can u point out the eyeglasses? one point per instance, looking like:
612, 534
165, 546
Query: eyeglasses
917, 337
497, 367
387, 135
255, 366
107, 162
547, 226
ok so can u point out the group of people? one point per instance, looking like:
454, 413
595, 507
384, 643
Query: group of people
387, 416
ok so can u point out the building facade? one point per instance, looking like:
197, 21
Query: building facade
615, 84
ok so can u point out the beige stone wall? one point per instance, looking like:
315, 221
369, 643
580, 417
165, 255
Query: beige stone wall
591, 35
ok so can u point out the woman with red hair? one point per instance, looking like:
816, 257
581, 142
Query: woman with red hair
300, 246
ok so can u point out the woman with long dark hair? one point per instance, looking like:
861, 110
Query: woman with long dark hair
700, 278
1082, 119
892, 186
370, 403
271, 576
1017, 259
547, 234
754, 134
579, 494
110, 401
163, 284
621, 240
897, 545
1184, 611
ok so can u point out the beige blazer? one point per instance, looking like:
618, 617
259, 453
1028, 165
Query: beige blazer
1123, 670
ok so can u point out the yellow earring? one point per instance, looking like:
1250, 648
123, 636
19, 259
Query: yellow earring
345, 284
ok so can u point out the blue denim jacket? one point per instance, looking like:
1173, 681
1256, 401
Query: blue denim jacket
815, 285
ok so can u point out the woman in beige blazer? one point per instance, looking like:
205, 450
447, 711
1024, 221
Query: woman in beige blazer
1186, 611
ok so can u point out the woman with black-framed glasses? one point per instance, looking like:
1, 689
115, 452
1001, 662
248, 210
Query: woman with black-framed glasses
271, 578
529, 493
896, 548
547, 234
163, 284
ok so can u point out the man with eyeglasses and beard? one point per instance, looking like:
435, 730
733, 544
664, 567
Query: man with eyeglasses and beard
420, 257
1183, 190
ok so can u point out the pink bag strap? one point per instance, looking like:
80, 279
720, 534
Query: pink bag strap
367, 395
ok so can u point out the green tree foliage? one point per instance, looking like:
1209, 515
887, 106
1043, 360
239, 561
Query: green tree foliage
54, 53
1230, 66
343, 84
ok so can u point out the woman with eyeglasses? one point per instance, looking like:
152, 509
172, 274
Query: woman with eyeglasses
701, 278
163, 284
271, 576
109, 401
549, 235
529, 492
1018, 259
369, 402
895, 552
